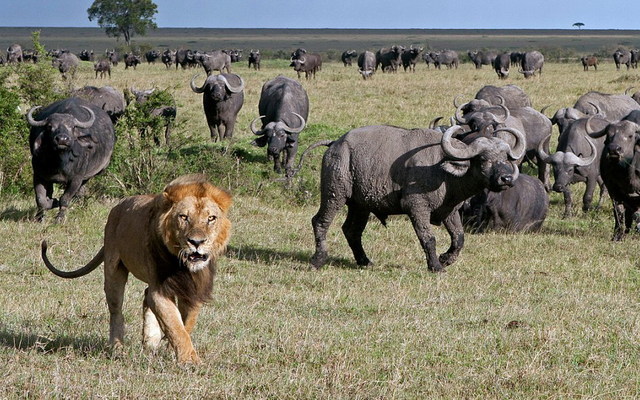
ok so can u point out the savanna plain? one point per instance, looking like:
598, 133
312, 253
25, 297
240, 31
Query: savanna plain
550, 315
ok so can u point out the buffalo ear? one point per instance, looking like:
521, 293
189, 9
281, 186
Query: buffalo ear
261, 141
36, 144
86, 140
455, 168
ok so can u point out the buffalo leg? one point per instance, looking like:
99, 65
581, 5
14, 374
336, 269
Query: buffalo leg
70, 191
587, 198
568, 203
214, 131
329, 207
453, 224
352, 228
229, 127
618, 216
603, 190
290, 154
44, 200
420, 219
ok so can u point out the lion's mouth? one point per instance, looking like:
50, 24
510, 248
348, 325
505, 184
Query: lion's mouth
197, 257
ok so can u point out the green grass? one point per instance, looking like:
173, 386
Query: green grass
546, 315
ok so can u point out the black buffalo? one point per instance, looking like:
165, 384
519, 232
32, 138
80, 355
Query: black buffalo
307, 63
531, 62
222, 99
520, 208
480, 58
389, 59
71, 141
131, 60
410, 58
422, 173
108, 98
284, 109
103, 67
254, 59
622, 57
501, 65
166, 112
347, 56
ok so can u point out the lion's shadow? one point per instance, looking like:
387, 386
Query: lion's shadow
86, 345
273, 256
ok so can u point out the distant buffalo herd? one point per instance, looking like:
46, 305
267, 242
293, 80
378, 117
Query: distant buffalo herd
462, 174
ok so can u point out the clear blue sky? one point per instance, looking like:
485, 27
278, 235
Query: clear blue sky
439, 14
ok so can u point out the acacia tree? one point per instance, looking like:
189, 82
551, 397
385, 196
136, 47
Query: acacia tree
579, 25
124, 17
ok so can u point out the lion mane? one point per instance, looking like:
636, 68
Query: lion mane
170, 241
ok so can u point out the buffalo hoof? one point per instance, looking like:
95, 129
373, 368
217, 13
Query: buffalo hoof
447, 259
436, 268
319, 259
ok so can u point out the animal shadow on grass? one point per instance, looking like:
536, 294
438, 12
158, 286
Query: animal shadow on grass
16, 215
86, 345
270, 256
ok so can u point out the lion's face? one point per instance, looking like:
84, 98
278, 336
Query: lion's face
196, 226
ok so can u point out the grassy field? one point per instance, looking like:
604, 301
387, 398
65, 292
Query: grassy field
547, 315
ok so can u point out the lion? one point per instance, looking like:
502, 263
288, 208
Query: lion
170, 241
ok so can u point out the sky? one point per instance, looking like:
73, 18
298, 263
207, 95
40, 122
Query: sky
379, 14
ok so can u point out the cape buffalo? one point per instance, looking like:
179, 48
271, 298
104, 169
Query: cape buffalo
501, 65
389, 59
520, 208
480, 58
284, 109
254, 59
425, 174
531, 62
14, 53
589, 61
620, 170
577, 159
346, 57
71, 141
307, 63
67, 64
612, 107
222, 99
622, 57
366, 64
131, 60
108, 98
103, 67
216, 60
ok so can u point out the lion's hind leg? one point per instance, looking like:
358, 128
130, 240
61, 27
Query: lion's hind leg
115, 279
151, 332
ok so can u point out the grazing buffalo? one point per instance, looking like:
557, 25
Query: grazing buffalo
410, 58
254, 59
501, 65
448, 58
620, 170
366, 64
103, 67
71, 141
108, 98
131, 60
67, 64
577, 159
589, 61
511, 96
622, 57
216, 60
520, 208
425, 174
347, 56
284, 109
307, 63
531, 62
480, 58
14, 54
516, 58
222, 99
389, 59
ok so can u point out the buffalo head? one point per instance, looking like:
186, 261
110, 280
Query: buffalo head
60, 131
620, 142
277, 135
217, 87
565, 163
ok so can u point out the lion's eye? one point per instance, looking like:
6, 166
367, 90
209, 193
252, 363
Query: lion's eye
212, 218
184, 217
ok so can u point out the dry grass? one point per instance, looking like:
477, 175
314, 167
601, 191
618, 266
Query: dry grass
548, 315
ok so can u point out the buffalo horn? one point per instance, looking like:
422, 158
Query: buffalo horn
628, 90
433, 122
517, 151
193, 85
298, 129
507, 113
86, 124
253, 125
232, 89
458, 114
595, 106
32, 121
454, 152
589, 130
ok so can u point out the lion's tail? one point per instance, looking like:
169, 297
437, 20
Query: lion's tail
93, 264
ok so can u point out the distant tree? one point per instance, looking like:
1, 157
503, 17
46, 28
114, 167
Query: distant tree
579, 25
124, 17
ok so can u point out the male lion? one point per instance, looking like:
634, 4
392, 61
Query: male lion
170, 241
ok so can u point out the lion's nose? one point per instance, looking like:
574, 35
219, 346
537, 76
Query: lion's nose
196, 242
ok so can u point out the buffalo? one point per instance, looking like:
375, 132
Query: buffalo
151, 56
103, 67
619, 169
108, 98
254, 59
448, 58
520, 208
284, 109
501, 65
589, 61
71, 141
622, 57
410, 58
14, 54
389, 59
184, 58
67, 64
168, 57
131, 60
307, 63
366, 64
166, 112
425, 174
347, 56
85, 55
577, 159
612, 107
216, 60
531, 62
480, 58
222, 99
